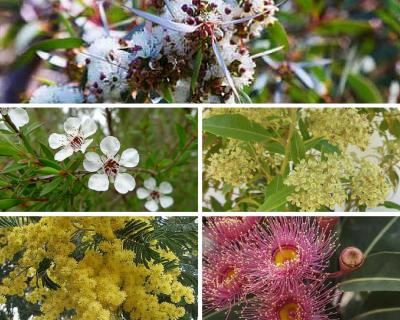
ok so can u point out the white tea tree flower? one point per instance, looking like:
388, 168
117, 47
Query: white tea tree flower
18, 116
76, 138
111, 167
154, 195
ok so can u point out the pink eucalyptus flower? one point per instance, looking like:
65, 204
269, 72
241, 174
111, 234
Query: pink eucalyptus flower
301, 302
223, 229
289, 250
224, 281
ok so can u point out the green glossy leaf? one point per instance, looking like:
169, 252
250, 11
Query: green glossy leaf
49, 187
391, 205
196, 70
297, 148
9, 203
380, 272
50, 163
278, 36
364, 89
7, 149
236, 126
48, 170
48, 45
276, 200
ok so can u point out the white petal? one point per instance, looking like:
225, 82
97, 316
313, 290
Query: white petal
165, 187
151, 205
98, 182
142, 193
71, 126
19, 117
64, 153
150, 183
166, 201
57, 140
110, 146
129, 158
88, 128
124, 183
92, 162
85, 145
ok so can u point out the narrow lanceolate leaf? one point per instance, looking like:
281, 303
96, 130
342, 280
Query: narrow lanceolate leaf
266, 52
297, 148
274, 201
221, 62
380, 272
196, 70
236, 126
51, 186
9, 203
391, 205
168, 24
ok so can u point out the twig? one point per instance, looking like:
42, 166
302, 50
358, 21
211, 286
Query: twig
179, 155
109, 121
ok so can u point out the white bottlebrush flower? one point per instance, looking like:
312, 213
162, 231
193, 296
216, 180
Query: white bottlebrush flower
107, 66
18, 116
75, 139
111, 167
154, 195
147, 44
57, 94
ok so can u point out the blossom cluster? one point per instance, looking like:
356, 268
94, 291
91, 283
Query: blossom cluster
109, 167
208, 39
280, 262
98, 285
349, 158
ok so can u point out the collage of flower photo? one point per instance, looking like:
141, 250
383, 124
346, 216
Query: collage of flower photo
199, 159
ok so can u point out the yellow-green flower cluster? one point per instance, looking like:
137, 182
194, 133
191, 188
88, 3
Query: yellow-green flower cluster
319, 183
369, 185
326, 183
96, 287
341, 126
233, 164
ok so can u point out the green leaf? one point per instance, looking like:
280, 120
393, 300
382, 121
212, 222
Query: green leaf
10, 222
322, 145
276, 200
380, 272
13, 168
46, 151
278, 36
297, 148
50, 163
49, 187
236, 126
48, 45
196, 70
7, 149
391, 205
181, 134
48, 170
348, 27
364, 89
9, 203
274, 147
